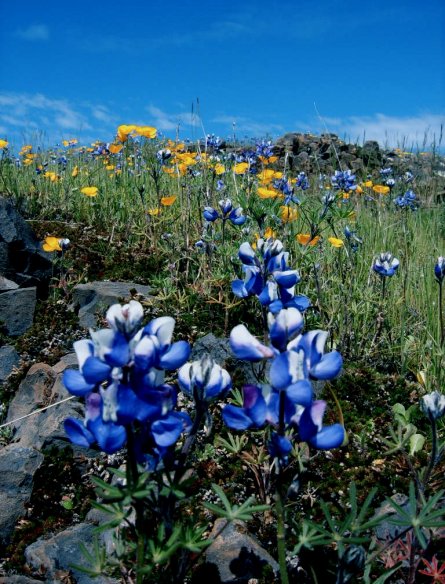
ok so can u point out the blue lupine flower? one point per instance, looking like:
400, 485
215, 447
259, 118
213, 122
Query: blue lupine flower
163, 155
264, 148
219, 185
122, 377
271, 279
204, 380
439, 269
408, 176
302, 181
213, 142
228, 212
343, 180
385, 171
353, 240
386, 265
296, 359
408, 200
390, 183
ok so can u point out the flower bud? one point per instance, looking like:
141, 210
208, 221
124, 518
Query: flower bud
433, 405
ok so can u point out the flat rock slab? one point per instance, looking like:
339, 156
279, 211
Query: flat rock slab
236, 554
60, 552
42, 387
17, 310
95, 297
17, 468
9, 358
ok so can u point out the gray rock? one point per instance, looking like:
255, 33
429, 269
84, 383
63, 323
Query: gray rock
22, 258
218, 349
18, 579
17, 468
237, 555
9, 358
96, 297
42, 387
6, 284
61, 551
17, 310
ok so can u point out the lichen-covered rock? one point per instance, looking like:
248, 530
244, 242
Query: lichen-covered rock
17, 310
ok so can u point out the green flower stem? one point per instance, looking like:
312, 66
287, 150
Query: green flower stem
434, 456
442, 331
279, 506
132, 480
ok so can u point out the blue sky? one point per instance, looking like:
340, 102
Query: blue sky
362, 69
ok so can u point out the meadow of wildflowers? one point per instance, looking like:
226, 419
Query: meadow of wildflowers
328, 287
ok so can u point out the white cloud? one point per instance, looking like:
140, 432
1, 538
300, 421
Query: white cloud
24, 113
416, 131
34, 32
170, 121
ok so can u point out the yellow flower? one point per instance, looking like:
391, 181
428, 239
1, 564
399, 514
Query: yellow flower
381, 189
146, 131
265, 193
336, 242
109, 167
305, 239
153, 212
288, 214
89, 191
220, 168
266, 175
167, 201
52, 244
359, 190
240, 168
75, 171
4, 144
168, 169
115, 148
27, 161
124, 130
368, 183
269, 233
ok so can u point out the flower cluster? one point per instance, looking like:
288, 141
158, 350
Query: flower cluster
269, 278
406, 201
228, 212
122, 377
439, 269
386, 265
287, 401
343, 180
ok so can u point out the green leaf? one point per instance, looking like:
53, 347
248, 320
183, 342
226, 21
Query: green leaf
416, 443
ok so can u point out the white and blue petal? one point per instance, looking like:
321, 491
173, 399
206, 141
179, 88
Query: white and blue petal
245, 346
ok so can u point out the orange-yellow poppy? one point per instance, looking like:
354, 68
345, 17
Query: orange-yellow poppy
368, 183
335, 242
89, 191
381, 189
153, 212
220, 168
52, 244
240, 168
75, 171
265, 193
288, 214
115, 148
146, 131
167, 201
305, 239
4, 144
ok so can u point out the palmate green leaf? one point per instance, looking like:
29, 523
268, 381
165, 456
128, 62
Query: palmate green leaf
384, 577
97, 559
243, 512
